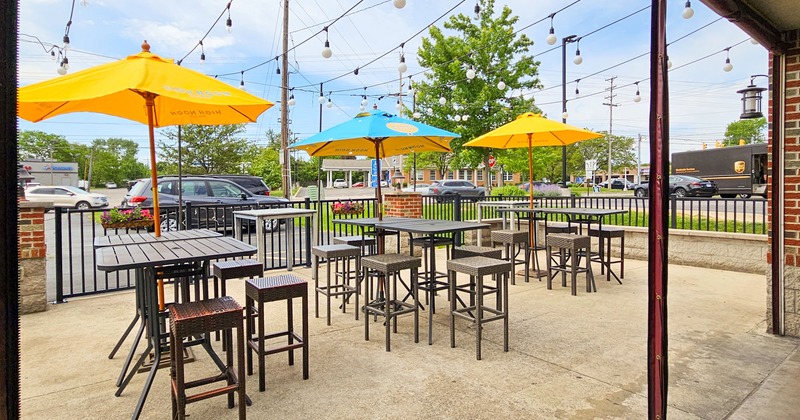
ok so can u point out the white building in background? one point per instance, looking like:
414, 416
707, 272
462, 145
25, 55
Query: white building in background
53, 173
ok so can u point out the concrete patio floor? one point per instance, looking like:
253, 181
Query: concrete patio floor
570, 357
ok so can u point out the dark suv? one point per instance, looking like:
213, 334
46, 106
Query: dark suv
447, 189
252, 183
213, 200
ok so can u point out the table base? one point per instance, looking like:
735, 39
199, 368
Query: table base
188, 357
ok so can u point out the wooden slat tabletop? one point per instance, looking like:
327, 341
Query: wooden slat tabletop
146, 237
129, 256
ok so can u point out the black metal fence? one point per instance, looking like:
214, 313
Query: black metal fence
75, 230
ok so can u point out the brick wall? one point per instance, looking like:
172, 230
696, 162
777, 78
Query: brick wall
791, 172
403, 204
32, 253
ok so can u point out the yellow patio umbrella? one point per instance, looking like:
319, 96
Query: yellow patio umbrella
145, 88
529, 130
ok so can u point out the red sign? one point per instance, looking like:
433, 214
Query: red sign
491, 161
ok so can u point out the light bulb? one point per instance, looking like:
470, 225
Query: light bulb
65, 63
728, 66
564, 115
578, 58
228, 24
637, 98
202, 58
577, 93
477, 11
501, 85
442, 100
364, 101
551, 38
398, 106
61, 70
687, 11
399, 3
669, 64
457, 118
292, 102
464, 117
329, 104
402, 67
362, 108
471, 73
430, 111
53, 55
321, 99
241, 85
326, 52
753, 41
66, 42
416, 115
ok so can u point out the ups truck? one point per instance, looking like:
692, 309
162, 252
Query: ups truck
737, 170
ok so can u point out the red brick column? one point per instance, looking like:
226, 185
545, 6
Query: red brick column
403, 204
791, 174
32, 253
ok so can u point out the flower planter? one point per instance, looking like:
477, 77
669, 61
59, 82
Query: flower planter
129, 224
348, 212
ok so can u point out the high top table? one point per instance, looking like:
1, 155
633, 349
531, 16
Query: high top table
504, 204
147, 257
288, 214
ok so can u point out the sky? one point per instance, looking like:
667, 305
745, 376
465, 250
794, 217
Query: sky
703, 98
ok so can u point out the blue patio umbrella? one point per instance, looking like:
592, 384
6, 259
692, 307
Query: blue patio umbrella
378, 134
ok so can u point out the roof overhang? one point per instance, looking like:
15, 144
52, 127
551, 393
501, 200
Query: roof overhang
766, 21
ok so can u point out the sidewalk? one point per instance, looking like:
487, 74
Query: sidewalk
570, 357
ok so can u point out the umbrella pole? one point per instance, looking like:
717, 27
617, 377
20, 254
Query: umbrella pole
530, 169
150, 104
381, 236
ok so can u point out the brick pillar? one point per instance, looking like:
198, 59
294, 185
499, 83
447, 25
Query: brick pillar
32, 253
403, 204
791, 173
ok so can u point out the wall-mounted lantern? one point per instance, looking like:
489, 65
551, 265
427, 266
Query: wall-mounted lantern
751, 99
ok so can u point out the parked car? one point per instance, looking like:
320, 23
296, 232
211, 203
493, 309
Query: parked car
202, 191
621, 184
421, 188
358, 184
448, 188
111, 185
66, 196
682, 186
252, 183
339, 183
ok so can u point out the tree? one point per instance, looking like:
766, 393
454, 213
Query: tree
622, 153
491, 47
207, 149
114, 160
38, 145
749, 130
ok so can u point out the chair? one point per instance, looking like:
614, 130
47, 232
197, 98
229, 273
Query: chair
514, 242
335, 254
477, 267
196, 318
232, 269
272, 289
604, 236
569, 248
389, 306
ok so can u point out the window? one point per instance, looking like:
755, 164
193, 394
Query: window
193, 188
432, 174
221, 189
508, 176
480, 176
419, 175
449, 174
465, 174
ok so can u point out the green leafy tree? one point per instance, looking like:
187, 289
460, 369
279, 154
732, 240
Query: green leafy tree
114, 159
38, 145
622, 153
207, 149
491, 47
749, 130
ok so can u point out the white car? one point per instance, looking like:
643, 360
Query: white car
421, 188
111, 185
339, 183
65, 196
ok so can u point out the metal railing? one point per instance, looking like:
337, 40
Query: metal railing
75, 230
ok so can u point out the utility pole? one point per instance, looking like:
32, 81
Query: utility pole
285, 183
610, 104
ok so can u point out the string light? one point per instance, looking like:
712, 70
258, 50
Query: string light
241, 82
477, 11
398, 106
203, 55
399, 4
688, 12
62, 69
578, 58
442, 100
577, 92
551, 38
638, 97
326, 51
402, 67
321, 99
565, 114
355, 71
229, 22
416, 115
66, 42
470, 73
329, 104
727, 66
501, 85
292, 102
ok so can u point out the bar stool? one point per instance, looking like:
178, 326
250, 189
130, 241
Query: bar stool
272, 289
195, 318
478, 267
334, 254
233, 269
466, 251
604, 235
559, 227
569, 247
389, 306
425, 243
514, 241
366, 244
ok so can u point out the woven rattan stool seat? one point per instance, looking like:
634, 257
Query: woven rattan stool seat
514, 242
474, 251
605, 235
510, 236
479, 266
194, 319
335, 251
387, 263
561, 240
235, 269
280, 287
570, 247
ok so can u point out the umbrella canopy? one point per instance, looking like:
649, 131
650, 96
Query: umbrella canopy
144, 88
377, 134
529, 130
